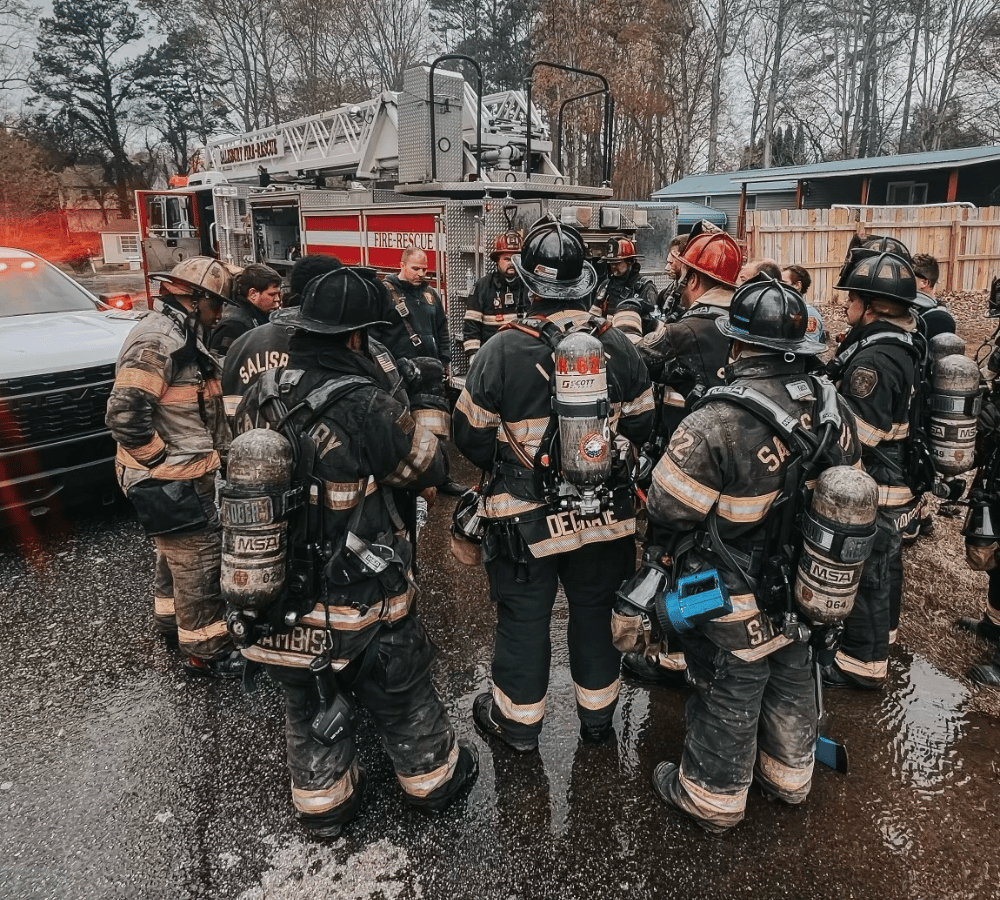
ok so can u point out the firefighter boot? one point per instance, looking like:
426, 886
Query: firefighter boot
838, 678
666, 788
466, 773
636, 666
596, 734
983, 628
230, 665
482, 718
988, 674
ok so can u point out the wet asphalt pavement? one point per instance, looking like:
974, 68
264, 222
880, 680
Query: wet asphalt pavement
123, 777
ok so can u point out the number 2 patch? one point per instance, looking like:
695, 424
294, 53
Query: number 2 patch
681, 444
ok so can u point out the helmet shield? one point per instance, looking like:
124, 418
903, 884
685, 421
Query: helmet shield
508, 242
766, 312
336, 302
553, 262
620, 250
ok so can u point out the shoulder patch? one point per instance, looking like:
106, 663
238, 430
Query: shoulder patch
153, 358
385, 361
863, 381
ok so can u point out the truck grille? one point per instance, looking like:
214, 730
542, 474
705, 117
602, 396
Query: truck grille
39, 409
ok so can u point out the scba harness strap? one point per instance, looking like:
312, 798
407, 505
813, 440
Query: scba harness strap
915, 465
836, 367
542, 329
545, 464
809, 448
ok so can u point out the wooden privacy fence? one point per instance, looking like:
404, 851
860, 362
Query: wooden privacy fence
966, 242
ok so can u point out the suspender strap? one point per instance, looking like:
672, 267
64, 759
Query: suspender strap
404, 313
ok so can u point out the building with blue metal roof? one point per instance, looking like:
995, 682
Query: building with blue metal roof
969, 175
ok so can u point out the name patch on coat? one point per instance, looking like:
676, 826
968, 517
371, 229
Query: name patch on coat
568, 522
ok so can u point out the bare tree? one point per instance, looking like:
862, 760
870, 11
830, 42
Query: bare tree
15, 32
659, 91
845, 84
247, 43
322, 73
389, 36
948, 47
724, 21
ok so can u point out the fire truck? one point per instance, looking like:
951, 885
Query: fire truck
438, 166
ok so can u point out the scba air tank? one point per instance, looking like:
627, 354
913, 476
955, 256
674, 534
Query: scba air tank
945, 344
583, 409
955, 402
253, 506
839, 532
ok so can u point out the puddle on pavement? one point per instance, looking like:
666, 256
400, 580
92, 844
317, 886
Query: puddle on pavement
910, 739
924, 720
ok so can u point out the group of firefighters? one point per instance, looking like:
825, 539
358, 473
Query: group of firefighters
281, 448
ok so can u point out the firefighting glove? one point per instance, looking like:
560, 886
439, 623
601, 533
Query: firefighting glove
424, 380
422, 375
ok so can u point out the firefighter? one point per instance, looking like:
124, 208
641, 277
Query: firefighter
266, 346
668, 300
530, 546
689, 355
938, 318
418, 327
166, 413
753, 712
982, 527
800, 279
626, 298
362, 444
498, 298
257, 293
686, 358
419, 384
876, 369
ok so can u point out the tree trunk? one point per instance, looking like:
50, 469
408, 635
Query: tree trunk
911, 73
772, 87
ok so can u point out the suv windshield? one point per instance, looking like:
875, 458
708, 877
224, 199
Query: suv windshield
30, 286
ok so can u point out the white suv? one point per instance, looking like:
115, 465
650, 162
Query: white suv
58, 347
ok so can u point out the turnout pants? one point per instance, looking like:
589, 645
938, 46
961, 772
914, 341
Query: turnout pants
328, 781
746, 721
522, 651
188, 566
164, 617
864, 647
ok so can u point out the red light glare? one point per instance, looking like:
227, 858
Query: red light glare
117, 301
28, 264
